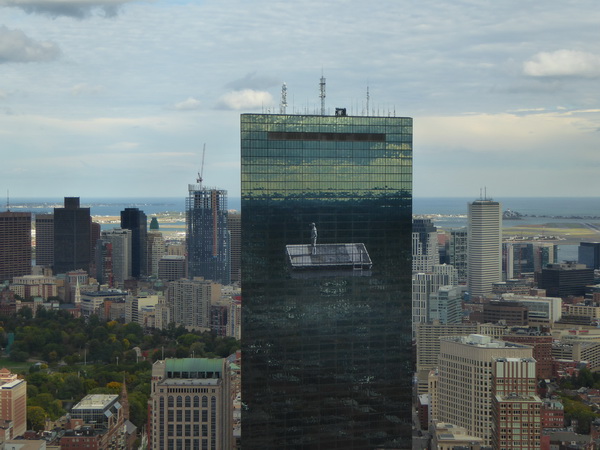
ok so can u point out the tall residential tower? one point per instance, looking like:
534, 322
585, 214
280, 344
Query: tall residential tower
326, 273
208, 242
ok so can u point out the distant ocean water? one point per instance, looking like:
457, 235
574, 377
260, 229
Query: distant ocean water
530, 206
537, 210
452, 211
110, 206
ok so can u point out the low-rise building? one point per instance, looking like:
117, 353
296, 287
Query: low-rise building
98, 422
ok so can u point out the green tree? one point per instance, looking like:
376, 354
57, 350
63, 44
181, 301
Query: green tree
36, 418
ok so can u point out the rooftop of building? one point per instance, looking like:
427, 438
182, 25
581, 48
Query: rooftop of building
173, 258
113, 293
190, 382
513, 360
11, 384
451, 432
518, 398
96, 401
482, 341
192, 368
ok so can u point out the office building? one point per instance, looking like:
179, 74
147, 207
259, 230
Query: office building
135, 220
29, 286
457, 253
326, 273
155, 250
234, 224
428, 340
447, 436
484, 246
563, 280
540, 310
190, 300
13, 403
104, 264
95, 231
15, 245
521, 259
507, 313
445, 305
208, 241
424, 245
120, 241
465, 380
44, 240
72, 237
191, 404
426, 284
99, 421
589, 254
171, 268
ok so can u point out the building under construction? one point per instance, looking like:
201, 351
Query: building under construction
208, 241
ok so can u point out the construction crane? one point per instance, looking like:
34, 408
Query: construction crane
199, 179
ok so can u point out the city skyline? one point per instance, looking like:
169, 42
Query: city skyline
494, 89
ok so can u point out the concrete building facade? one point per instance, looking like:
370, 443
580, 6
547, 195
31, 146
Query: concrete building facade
465, 380
484, 246
191, 404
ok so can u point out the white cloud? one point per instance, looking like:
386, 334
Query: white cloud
563, 63
245, 99
187, 105
16, 46
79, 9
84, 89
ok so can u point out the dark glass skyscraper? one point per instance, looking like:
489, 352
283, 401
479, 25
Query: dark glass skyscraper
15, 245
72, 237
135, 220
326, 276
208, 241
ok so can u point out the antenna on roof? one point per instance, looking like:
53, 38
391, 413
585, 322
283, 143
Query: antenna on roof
199, 179
322, 93
368, 98
283, 104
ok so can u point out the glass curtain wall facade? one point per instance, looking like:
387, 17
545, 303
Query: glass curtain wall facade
326, 276
72, 237
208, 240
135, 220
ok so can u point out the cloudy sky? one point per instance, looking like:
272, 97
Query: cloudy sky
117, 97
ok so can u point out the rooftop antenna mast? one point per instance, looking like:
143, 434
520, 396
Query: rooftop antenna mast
283, 104
368, 98
199, 179
322, 93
